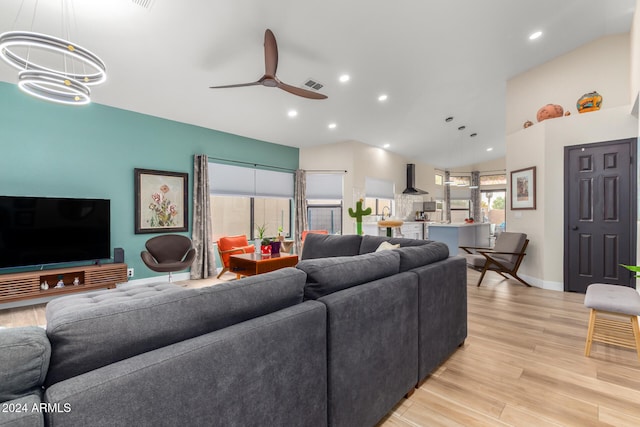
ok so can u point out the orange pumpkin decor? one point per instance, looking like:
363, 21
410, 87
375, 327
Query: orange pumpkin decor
549, 111
589, 102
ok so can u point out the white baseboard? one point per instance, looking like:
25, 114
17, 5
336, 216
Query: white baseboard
544, 284
175, 277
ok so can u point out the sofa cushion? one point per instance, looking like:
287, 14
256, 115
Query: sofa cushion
416, 256
101, 332
328, 275
28, 415
371, 243
24, 360
330, 245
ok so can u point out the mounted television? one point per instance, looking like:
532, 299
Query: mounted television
46, 230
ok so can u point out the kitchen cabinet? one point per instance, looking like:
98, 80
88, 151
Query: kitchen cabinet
455, 235
412, 230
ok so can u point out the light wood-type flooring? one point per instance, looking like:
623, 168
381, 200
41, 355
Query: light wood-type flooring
521, 365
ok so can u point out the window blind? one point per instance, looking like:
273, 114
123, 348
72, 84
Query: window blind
324, 186
234, 180
378, 188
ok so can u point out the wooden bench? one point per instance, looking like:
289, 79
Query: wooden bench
614, 316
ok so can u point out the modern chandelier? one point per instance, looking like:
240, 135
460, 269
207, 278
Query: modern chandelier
52, 68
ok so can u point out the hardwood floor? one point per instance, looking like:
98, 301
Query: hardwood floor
521, 365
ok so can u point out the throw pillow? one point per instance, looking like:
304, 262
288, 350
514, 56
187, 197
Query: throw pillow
385, 246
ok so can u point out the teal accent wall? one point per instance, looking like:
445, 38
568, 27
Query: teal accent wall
54, 150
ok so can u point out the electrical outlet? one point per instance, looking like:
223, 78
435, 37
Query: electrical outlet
129, 272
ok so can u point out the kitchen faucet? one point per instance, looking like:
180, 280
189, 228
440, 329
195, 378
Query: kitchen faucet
388, 212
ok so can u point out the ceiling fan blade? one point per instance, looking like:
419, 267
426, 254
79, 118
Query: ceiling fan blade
301, 92
270, 53
238, 85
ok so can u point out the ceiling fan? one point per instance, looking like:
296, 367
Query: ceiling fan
270, 65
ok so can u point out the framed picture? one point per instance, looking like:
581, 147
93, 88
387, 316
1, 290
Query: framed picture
161, 201
523, 189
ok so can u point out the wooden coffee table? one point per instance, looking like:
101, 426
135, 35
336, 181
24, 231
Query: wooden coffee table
255, 263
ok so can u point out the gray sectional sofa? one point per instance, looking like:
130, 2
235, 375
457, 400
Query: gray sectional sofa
337, 341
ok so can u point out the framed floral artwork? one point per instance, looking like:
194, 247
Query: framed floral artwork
523, 189
161, 201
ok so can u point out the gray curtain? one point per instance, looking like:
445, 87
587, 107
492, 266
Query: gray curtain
447, 197
300, 196
476, 213
205, 264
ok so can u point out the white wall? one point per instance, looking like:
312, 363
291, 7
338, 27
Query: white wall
602, 65
543, 146
361, 160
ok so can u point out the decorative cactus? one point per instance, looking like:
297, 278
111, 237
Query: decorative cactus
358, 214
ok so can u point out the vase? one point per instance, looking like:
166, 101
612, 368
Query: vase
265, 249
275, 248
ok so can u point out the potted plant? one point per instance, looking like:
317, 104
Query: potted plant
265, 247
280, 234
634, 268
260, 230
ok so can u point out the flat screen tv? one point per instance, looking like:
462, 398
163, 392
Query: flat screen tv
44, 230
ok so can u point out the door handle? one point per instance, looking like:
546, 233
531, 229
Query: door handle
575, 227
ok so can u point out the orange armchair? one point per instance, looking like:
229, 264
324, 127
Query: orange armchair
230, 245
305, 232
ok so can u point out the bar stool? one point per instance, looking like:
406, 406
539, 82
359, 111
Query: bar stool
620, 306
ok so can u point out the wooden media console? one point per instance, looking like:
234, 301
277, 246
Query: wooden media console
26, 285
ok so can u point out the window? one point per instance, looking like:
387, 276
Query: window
439, 179
324, 202
462, 181
500, 179
325, 215
379, 195
243, 198
460, 210
492, 205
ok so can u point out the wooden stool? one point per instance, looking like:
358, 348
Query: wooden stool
614, 301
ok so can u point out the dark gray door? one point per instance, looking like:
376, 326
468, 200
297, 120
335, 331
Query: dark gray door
600, 214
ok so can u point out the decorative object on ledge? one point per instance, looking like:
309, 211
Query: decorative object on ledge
527, 124
161, 201
47, 65
358, 214
589, 102
549, 111
523, 189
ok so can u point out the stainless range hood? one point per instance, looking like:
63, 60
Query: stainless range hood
411, 181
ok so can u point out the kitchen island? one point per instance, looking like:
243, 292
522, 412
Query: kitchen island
455, 235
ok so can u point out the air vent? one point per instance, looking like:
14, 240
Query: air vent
144, 3
313, 84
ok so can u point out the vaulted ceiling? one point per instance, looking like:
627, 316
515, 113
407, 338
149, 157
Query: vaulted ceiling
433, 59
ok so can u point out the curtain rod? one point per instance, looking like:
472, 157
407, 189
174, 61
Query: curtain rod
325, 170
251, 164
495, 170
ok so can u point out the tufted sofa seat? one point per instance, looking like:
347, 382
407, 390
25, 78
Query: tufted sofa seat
90, 331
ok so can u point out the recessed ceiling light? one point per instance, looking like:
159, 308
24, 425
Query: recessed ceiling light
382, 98
535, 35
473, 135
448, 119
332, 125
344, 78
386, 146
463, 127
292, 113
490, 149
